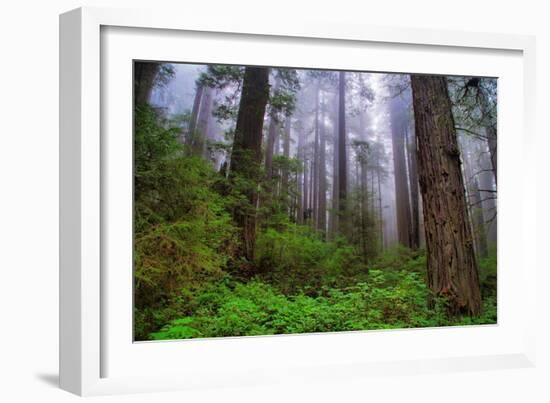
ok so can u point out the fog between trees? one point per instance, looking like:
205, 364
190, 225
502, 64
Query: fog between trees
368, 161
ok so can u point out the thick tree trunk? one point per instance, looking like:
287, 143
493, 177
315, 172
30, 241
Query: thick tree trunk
402, 205
144, 80
451, 262
342, 156
247, 150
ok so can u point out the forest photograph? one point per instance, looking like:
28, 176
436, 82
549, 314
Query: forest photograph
272, 200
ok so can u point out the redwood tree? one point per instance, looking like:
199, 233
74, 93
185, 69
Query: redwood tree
333, 227
200, 132
286, 154
195, 113
246, 156
342, 157
322, 212
402, 204
271, 137
144, 81
451, 263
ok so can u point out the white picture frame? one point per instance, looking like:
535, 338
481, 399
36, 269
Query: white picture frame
89, 339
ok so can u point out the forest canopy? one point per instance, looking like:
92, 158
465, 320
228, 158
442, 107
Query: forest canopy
276, 200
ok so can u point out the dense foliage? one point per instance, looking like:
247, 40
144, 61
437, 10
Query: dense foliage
189, 278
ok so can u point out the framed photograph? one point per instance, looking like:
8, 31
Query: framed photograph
253, 203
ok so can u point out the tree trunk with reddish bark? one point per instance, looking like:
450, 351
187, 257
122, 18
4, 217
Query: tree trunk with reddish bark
246, 157
451, 262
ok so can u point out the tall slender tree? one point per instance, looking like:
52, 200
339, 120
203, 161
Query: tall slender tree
335, 166
488, 194
305, 187
271, 137
475, 202
286, 154
300, 155
380, 211
342, 156
195, 112
322, 205
402, 204
315, 161
200, 132
361, 149
489, 117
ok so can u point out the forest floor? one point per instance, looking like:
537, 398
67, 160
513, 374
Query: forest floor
393, 295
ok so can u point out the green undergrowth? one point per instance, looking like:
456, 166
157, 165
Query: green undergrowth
389, 298
191, 281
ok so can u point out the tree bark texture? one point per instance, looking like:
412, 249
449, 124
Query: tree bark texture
413, 187
246, 157
451, 262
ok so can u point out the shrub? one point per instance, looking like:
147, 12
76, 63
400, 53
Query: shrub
488, 275
297, 260
184, 235
235, 309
